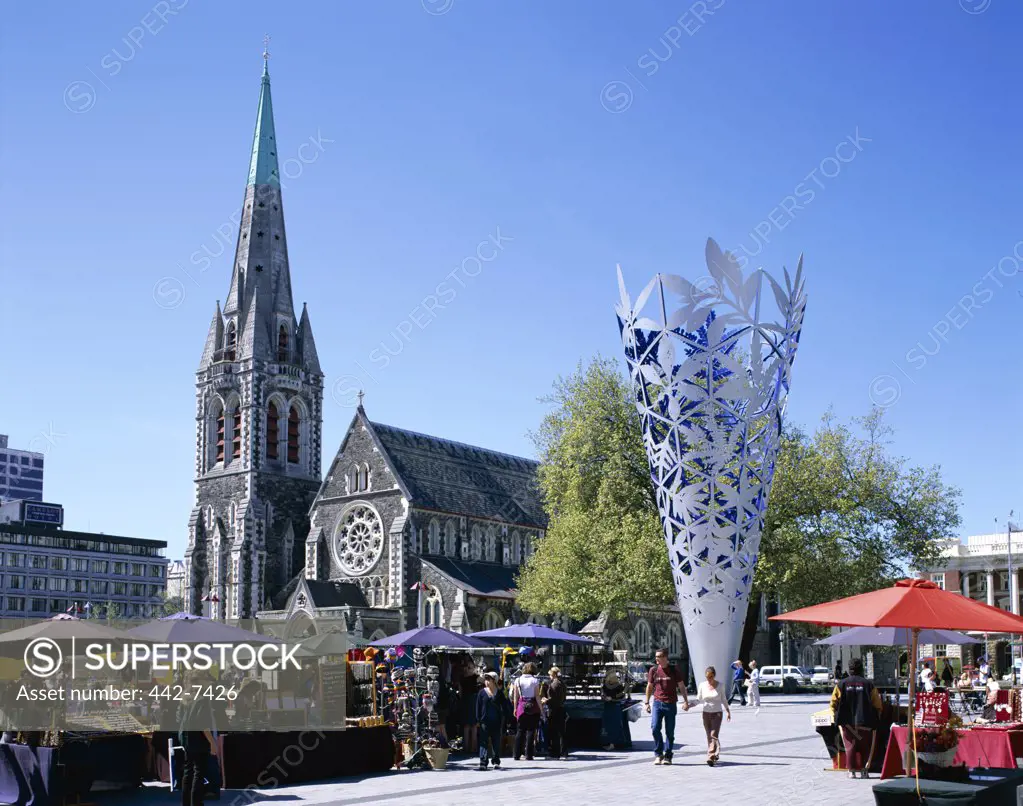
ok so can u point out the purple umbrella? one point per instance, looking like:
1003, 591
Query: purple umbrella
432, 636
182, 628
532, 632
894, 636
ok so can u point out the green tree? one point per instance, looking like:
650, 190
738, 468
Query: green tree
844, 515
604, 548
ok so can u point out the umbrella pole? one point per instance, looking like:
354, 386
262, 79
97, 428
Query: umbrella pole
909, 756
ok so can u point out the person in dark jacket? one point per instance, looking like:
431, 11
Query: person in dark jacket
856, 705
947, 675
555, 703
490, 718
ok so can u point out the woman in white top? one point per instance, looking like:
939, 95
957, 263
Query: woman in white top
711, 694
753, 681
927, 678
526, 699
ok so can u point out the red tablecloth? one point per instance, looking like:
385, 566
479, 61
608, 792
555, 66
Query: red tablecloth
976, 748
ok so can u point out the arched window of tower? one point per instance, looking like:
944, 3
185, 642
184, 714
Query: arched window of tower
293, 434
273, 423
230, 342
282, 344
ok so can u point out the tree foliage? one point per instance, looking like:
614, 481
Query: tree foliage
844, 516
604, 547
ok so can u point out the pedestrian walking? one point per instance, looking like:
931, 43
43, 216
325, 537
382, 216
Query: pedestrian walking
947, 675
612, 693
555, 705
754, 685
664, 682
738, 679
856, 705
712, 696
526, 699
198, 737
489, 718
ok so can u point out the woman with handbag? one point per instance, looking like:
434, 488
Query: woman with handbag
526, 699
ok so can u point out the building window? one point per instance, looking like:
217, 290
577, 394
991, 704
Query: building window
450, 538
643, 638
230, 342
516, 548
282, 344
236, 433
939, 580
491, 545
434, 609
364, 478
434, 544
219, 455
273, 426
674, 641
476, 544
493, 620
293, 422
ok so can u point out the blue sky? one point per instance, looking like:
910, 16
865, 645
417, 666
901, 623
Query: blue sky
582, 133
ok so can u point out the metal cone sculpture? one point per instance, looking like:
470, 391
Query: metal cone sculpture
711, 372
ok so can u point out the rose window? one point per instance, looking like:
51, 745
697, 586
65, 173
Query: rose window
359, 540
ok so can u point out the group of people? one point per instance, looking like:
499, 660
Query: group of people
533, 702
742, 680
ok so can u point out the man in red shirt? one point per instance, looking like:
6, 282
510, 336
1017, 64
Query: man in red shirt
665, 683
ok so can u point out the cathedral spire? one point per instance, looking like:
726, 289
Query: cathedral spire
261, 257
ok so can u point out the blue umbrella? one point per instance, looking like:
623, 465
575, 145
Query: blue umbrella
432, 636
894, 636
532, 632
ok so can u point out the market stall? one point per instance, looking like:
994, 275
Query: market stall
916, 605
418, 671
584, 664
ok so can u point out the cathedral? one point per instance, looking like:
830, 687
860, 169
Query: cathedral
406, 529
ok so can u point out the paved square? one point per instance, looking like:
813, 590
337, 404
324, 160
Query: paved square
773, 758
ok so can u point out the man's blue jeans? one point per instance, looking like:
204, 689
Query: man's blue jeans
666, 712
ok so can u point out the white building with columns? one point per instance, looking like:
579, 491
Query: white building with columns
979, 569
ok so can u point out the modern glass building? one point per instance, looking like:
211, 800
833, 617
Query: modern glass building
21, 474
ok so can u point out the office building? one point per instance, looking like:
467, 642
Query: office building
21, 473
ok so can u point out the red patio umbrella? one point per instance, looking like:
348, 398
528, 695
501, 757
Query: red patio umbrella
913, 603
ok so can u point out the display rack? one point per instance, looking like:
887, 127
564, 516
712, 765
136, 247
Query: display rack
362, 701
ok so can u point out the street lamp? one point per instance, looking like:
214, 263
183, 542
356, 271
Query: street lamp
1011, 527
781, 639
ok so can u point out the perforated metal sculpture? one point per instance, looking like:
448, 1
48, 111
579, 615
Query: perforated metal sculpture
711, 373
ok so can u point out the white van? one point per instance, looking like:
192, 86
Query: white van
771, 675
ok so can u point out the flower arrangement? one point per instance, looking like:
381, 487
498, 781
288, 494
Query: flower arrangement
936, 744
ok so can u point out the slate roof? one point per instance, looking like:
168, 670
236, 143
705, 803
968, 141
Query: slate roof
461, 479
479, 579
324, 594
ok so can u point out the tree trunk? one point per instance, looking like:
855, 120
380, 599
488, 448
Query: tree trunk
749, 631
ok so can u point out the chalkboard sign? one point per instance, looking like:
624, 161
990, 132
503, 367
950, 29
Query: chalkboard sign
334, 677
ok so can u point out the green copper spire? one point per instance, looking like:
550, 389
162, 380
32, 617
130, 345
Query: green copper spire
263, 166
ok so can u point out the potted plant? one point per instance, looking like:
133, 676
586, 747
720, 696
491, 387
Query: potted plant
437, 752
